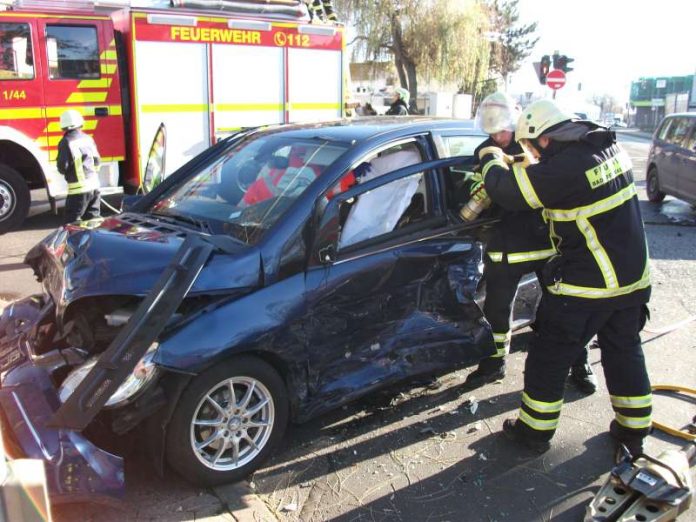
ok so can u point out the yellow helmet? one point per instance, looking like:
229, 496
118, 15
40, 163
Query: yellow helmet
496, 113
71, 119
539, 117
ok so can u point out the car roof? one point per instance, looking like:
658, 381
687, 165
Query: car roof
362, 129
681, 115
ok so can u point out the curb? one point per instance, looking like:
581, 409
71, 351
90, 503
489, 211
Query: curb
243, 504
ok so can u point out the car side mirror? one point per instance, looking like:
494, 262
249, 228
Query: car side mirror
327, 254
128, 202
327, 233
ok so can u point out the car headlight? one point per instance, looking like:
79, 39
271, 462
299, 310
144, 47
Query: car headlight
143, 373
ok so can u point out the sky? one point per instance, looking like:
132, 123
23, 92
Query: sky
613, 42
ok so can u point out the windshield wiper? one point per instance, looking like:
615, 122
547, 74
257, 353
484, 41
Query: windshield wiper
182, 218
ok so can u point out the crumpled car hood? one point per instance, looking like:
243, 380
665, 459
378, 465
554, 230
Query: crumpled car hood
125, 256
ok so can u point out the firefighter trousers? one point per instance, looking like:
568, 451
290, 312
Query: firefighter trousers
83, 206
502, 280
563, 330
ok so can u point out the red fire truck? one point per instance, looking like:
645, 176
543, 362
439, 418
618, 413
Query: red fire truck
202, 73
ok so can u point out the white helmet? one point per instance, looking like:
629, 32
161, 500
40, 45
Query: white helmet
403, 93
71, 119
496, 113
539, 117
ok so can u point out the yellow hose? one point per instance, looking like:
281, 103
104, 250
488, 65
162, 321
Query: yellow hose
668, 429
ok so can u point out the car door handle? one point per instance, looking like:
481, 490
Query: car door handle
101, 111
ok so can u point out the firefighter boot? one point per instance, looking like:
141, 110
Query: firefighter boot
513, 432
490, 369
623, 443
583, 378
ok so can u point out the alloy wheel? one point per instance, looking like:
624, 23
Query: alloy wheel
232, 423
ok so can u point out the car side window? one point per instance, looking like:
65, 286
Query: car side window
662, 134
691, 142
449, 146
390, 207
678, 131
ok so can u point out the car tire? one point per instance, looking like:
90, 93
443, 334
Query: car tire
212, 441
15, 199
652, 186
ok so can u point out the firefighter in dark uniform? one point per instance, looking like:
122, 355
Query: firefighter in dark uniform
78, 160
519, 244
599, 281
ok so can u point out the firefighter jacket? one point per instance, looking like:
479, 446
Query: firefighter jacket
78, 160
584, 183
521, 235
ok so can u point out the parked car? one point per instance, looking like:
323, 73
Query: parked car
672, 159
281, 273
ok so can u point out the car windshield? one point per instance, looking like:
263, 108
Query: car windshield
246, 190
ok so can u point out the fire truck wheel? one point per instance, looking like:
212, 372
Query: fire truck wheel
14, 199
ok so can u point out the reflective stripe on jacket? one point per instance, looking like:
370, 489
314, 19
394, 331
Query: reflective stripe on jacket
586, 190
78, 160
519, 236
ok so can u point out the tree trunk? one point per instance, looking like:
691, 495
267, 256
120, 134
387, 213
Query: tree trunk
412, 85
405, 67
400, 71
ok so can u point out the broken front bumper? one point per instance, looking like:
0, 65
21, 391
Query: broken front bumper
76, 470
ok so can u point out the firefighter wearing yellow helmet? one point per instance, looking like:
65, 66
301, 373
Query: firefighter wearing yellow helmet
78, 160
518, 244
598, 282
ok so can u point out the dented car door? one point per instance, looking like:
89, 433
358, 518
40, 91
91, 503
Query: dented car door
393, 304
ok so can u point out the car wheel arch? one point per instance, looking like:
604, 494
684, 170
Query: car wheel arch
294, 376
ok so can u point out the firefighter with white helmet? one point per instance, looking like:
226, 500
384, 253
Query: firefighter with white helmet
598, 283
518, 245
78, 160
400, 105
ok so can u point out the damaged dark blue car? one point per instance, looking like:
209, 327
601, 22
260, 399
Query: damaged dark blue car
278, 275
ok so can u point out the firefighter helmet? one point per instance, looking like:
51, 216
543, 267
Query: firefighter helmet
539, 117
403, 94
497, 113
71, 119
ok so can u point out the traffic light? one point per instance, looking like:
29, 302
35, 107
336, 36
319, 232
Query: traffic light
556, 60
563, 62
544, 68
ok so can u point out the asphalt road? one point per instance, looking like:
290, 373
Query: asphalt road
420, 454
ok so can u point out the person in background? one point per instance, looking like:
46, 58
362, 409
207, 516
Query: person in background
78, 160
400, 105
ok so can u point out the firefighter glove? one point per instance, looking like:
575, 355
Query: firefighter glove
497, 153
478, 189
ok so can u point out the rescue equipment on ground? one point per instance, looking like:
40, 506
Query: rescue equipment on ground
646, 489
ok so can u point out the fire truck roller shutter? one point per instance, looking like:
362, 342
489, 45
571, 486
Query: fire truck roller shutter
242, 99
314, 78
167, 92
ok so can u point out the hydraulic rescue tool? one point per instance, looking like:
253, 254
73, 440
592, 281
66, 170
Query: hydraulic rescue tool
647, 489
